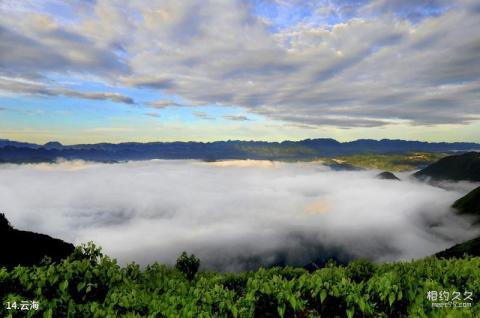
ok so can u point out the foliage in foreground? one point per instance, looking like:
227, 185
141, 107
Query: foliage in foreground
89, 284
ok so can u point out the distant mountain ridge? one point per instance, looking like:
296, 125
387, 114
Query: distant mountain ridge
20, 152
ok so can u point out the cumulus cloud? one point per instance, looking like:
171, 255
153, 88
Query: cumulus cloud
233, 215
342, 64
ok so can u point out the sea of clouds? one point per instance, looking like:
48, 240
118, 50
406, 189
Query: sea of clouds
233, 215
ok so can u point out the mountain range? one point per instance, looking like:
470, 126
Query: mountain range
308, 149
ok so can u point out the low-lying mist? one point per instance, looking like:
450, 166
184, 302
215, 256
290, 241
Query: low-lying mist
233, 216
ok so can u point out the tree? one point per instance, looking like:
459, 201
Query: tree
188, 265
4, 224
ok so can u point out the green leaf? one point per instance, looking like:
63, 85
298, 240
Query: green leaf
361, 304
48, 313
281, 309
391, 298
350, 312
234, 311
293, 302
323, 295
63, 285
80, 286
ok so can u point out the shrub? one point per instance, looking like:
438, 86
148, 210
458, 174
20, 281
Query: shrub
95, 286
360, 270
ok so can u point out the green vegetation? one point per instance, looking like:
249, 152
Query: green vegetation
89, 284
390, 162
396, 162
188, 265
276, 151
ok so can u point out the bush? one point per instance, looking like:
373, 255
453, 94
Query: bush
93, 285
360, 270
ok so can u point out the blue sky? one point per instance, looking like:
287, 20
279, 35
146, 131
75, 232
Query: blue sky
93, 71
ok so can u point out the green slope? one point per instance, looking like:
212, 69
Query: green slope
395, 162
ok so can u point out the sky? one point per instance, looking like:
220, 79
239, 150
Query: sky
85, 71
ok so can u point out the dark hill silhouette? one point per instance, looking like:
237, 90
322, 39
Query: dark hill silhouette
28, 248
457, 167
387, 175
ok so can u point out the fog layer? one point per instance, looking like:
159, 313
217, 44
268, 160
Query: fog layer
233, 216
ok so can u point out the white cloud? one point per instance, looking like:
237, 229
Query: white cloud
34, 45
233, 215
236, 117
164, 103
31, 88
202, 115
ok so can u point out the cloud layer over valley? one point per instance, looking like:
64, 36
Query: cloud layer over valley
233, 216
